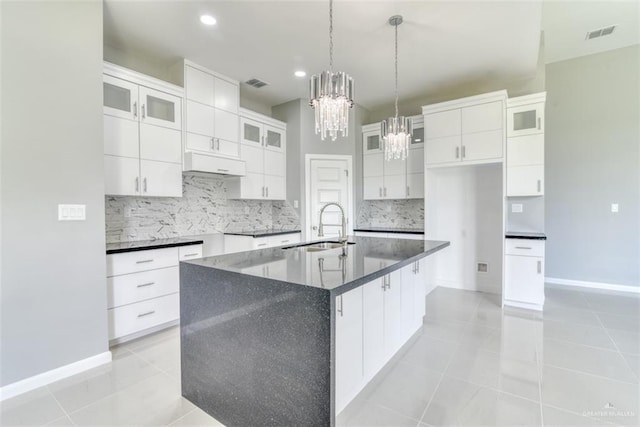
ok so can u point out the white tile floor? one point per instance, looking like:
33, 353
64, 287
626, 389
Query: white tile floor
472, 364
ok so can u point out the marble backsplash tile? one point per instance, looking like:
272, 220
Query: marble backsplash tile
203, 209
391, 213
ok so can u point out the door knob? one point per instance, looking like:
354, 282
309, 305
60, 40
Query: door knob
314, 227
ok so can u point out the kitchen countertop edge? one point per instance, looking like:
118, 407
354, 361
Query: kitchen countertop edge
151, 244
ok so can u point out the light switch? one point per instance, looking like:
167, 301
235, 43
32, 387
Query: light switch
72, 212
614, 207
516, 207
295, 204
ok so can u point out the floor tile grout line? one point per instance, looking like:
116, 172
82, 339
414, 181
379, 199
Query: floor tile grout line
539, 370
590, 374
620, 352
179, 418
616, 350
435, 391
64, 411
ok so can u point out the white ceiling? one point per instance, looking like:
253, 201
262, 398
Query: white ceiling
565, 24
442, 43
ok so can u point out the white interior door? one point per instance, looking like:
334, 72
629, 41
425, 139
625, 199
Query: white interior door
329, 183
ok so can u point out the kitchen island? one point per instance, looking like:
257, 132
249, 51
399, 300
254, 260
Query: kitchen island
288, 336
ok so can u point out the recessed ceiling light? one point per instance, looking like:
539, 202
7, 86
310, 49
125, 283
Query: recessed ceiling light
300, 73
208, 20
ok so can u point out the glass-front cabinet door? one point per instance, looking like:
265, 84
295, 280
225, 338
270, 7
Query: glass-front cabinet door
372, 143
160, 109
417, 137
274, 138
251, 132
120, 98
525, 120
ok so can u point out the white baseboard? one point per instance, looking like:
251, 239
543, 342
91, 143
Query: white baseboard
36, 381
594, 285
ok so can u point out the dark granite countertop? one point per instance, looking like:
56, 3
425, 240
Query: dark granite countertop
390, 230
261, 233
525, 235
366, 259
143, 245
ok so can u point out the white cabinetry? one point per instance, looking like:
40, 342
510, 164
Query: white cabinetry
349, 360
524, 273
239, 243
525, 145
263, 147
142, 134
392, 179
469, 130
143, 290
212, 103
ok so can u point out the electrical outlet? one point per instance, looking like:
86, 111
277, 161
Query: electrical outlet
516, 207
614, 207
72, 212
295, 204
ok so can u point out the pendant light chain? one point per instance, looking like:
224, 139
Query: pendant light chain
331, 35
396, 60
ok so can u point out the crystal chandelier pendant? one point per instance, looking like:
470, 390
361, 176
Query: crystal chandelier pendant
396, 131
396, 134
331, 96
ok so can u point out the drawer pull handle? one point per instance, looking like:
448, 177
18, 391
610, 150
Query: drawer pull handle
262, 244
144, 261
285, 241
523, 247
539, 267
195, 254
223, 170
146, 284
148, 313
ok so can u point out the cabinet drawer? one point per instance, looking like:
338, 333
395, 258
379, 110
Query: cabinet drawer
143, 315
190, 252
133, 262
284, 239
135, 287
526, 247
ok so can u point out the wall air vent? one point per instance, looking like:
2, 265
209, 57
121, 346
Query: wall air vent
482, 267
256, 83
600, 32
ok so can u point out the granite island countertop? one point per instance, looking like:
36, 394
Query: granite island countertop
363, 260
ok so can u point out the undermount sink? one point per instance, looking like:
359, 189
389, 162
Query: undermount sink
318, 246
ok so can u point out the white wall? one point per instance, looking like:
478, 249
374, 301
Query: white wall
53, 307
592, 159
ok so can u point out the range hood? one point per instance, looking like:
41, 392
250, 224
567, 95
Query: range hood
197, 162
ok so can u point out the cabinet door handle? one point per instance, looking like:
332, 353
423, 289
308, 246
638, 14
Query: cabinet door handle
194, 254
264, 142
218, 139
267, 191
457, 152
144, 115
223, 170
380, 191
144, 184
384, 284
144, 285
137, 184
539, 123
285, 241
539, 186
148, 313
407, 191
341, 309
135, 109
262, 191
418, 266
523, 247
213, 146
262, 244
385, 191
144, 261
539, 267
464, 151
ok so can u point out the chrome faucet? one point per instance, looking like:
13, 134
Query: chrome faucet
343, 235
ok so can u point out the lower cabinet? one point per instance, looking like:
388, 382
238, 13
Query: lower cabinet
143, 290
373, 321
239, 243
524, 273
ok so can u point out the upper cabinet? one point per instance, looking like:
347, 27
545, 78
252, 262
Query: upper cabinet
212, 102
263, 149
142, 134
468, 130
525, 145
392, 179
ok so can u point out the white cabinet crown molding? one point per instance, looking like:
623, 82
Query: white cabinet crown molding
500, 95
141, 79
243, 112
527, 99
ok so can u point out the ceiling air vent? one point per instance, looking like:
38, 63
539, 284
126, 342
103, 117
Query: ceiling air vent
600, 32
256, 83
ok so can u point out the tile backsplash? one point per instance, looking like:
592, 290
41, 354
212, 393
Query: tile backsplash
391, 213
203, 209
